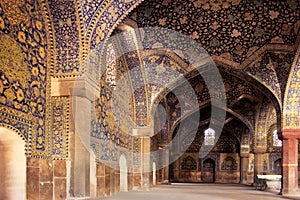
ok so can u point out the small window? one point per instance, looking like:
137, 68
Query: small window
276, 141
209, 137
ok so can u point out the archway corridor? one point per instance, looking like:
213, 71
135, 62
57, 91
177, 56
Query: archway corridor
157, 99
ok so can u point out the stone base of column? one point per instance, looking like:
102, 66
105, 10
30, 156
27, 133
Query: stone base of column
258, 163
145, 181
291, 195
244, 168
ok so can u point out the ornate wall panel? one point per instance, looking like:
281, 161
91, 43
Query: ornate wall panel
67, 38
291, 110
229, 162
189, 163
89, 8
23, 71
60, 123
233, 30
272, 69
106, 19
108, 137
261, 126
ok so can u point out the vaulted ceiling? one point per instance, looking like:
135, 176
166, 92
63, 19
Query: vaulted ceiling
255, 40
258, 38
253, 44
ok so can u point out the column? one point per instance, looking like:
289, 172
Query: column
59, 179
176, 170
81, 92
244, 168
258, 161
146, 163
145, 166
166, 168
93, 176
79, 152
290, 162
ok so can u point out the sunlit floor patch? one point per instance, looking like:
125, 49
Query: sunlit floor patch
189, 191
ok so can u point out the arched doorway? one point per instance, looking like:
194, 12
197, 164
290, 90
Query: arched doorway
13, 165
123, 174
209, 171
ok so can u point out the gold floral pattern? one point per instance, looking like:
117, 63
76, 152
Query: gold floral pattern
2, 23
230, 29
23, 70
12, 60
13, 11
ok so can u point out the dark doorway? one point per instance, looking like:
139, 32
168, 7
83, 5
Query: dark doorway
209, 171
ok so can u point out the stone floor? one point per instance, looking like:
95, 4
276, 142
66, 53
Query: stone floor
198, 191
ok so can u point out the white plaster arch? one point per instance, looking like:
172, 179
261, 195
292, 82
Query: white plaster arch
13, 166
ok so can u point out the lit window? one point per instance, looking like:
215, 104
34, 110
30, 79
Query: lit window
209, 137
111, 66
276, 141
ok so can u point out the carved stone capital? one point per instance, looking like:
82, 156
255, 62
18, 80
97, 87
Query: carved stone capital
259, 150
83, 87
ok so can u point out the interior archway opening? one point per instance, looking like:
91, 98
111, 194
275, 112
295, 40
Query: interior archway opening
13, 165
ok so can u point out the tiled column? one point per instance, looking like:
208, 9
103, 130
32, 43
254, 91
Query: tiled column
290, 162
244, 168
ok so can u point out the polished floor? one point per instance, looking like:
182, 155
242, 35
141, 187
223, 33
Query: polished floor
198, 192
